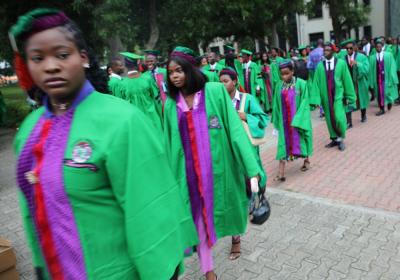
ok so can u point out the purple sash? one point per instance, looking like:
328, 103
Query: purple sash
289, 109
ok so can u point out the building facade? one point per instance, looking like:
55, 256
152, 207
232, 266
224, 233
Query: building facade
382, 20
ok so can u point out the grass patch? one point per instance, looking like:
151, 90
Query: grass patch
16, 106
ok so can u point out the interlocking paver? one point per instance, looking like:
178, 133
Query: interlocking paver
308, 236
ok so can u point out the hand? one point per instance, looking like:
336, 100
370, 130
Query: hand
353, 62
254, 185
242, 116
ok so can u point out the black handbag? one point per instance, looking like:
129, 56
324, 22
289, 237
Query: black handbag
260, 210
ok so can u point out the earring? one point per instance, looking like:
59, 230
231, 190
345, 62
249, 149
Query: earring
86, 65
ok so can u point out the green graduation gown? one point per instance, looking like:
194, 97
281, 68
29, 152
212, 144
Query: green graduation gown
114, 207
252, 81
233, 159
270, 78
343, 89
257, 121
390, 77
211, 76
292, 118
217, 69
143, 93
360, 76
115, 86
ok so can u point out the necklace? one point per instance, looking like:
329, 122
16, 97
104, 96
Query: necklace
61, 106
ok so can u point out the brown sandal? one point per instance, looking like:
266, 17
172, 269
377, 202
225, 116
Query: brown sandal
279, 179
306, 166
235, 254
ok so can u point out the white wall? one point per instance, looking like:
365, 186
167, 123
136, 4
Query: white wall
305, 26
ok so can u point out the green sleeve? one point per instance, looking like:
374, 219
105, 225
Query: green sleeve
393, 70
242, 148
256, 118
302, 119
158, 225
276, 108
372, 72
315, 94
363, 67
348, 86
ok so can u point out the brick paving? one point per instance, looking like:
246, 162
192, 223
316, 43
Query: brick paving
328, 223
365, 174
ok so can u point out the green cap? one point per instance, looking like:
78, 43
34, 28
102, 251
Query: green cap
345, 42
243, 51
131, 56
35, 21
152, 52
302, 47
184, 50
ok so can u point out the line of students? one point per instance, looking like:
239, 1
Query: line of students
114, 191
105, 191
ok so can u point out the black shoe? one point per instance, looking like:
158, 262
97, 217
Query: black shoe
364, 119
397, 102
332, 144
349, 125
380, 113
389, 106
341, 146
372, 98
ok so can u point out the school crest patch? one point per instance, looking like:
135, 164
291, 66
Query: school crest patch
82, 152
214, 122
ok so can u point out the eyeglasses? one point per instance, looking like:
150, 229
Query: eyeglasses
349, 48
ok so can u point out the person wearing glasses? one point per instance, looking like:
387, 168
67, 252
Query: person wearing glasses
358, 65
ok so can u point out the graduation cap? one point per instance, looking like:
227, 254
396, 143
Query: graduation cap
229, 48
345, 42
286, 63
329, 44
154, 53
244, 51
185, 53
302, 47
228, 71
379, 41
131, 56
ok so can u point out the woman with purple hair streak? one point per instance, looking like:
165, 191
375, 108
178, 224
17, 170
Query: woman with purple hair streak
292, 118
97, 195
210, 154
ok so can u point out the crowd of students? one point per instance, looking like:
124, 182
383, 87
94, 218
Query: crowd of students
125, 185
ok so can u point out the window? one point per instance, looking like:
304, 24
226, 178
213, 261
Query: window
314, 37
316, 11
368, 31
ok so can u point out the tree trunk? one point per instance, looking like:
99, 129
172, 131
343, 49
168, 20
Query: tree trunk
154, 31
116, 46
336, 24
274, 37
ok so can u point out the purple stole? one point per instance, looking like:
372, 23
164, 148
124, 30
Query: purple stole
330, 79
59, 213
267, 70
380, 71
247, 82
159, 77
289, 108
193, 129
354, 78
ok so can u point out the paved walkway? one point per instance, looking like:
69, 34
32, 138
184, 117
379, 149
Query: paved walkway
313, 238
327, 223
365, 174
